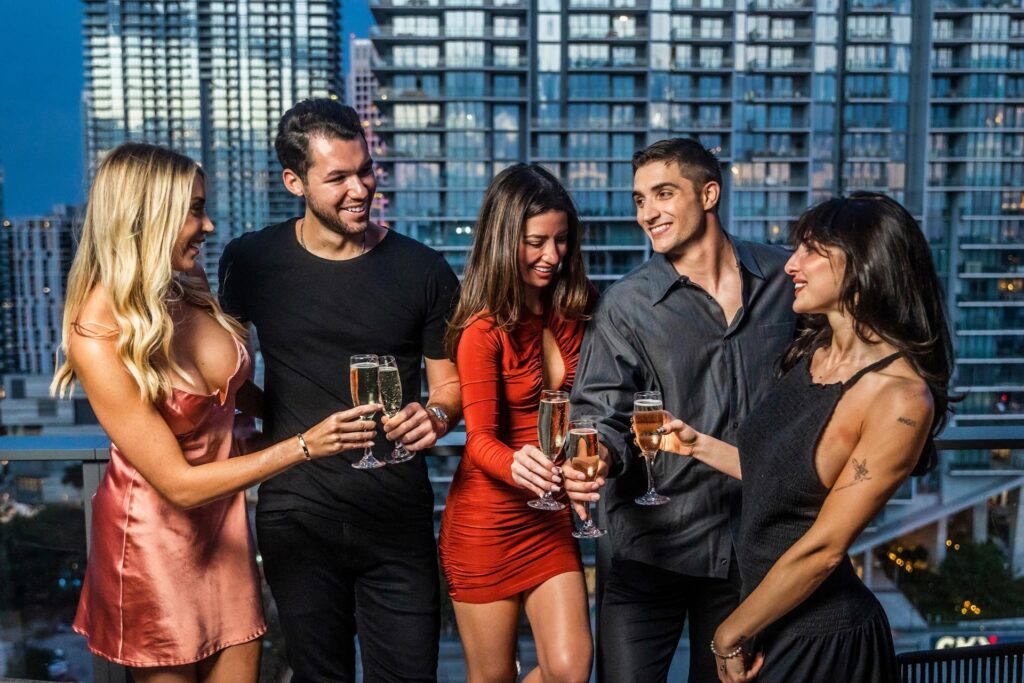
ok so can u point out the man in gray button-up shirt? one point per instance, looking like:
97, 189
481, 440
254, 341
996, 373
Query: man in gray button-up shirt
702, 321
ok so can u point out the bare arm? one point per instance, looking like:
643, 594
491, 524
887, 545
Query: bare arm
147, 442
881, 461
444, 389
414, 425
682, 439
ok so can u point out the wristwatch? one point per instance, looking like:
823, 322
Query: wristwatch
438, 414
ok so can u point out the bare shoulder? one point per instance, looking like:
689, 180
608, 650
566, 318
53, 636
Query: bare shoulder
94, 331
901, 398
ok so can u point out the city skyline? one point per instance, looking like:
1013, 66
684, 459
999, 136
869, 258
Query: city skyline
42, 120
801, 99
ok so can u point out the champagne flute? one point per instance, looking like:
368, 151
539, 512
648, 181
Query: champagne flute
389, 381
648, 416
582, 452
552, 419
363, 384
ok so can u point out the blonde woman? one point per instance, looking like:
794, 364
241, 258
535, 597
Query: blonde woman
171, 588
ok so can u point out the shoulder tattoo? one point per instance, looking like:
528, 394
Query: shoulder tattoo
907, 421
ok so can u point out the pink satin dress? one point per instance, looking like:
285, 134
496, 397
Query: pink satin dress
164, 586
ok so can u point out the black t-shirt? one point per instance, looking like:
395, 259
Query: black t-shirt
311, 315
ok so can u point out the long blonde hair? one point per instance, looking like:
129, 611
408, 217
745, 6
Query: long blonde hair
137, 205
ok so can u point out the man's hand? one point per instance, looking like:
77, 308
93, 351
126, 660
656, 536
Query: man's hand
413, 427
533, 470
581, 491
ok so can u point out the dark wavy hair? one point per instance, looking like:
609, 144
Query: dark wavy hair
491, 283
311, 118
889, 288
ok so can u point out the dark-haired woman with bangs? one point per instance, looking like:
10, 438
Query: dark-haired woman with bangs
515, 332
862, 392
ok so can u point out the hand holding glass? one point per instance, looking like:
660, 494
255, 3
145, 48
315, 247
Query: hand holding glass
363, 384
582, 450
648, 416
552, 420
389, 381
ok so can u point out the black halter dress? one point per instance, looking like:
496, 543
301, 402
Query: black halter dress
840, 633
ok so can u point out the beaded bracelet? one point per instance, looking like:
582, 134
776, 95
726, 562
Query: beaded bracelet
729, 655
305, 450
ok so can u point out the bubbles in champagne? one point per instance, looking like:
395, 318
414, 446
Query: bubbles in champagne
363, 383
390, 383
648, 416
552, 422
583, 451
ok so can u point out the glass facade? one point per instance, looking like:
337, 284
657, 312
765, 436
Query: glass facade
802, 99
210, 79
37, 253
974, 213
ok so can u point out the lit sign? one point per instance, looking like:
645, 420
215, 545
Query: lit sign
947, 642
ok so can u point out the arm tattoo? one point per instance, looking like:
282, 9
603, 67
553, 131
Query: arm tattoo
907, 421
860, 473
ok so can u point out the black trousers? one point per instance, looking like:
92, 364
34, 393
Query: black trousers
332, 580
641, 619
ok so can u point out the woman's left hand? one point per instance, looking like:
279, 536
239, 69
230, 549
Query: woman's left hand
739, 669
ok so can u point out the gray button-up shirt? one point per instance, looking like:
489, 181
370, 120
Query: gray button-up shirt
656, 330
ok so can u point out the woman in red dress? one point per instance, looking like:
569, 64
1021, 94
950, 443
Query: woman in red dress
516, 331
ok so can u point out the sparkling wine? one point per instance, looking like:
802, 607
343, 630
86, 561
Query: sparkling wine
363, 383
582, 450
648, 416
552, 422
390, 383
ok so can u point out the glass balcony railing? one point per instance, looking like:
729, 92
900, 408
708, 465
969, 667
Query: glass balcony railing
46, 485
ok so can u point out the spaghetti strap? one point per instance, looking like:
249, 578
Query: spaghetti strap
877, 365
88, 329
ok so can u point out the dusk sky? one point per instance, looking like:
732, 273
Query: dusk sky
41, 119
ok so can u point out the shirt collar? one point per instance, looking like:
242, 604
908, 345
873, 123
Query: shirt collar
663, 276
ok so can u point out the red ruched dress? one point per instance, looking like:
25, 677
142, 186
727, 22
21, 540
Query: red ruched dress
166, 586
492, 544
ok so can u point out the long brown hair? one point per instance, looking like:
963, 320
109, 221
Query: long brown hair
889, 288
491, 282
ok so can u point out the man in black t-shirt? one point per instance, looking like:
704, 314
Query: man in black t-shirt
345, 550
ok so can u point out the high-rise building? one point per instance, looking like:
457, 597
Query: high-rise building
975, 196
41, 250
7, 343
210, 79
361, 84
802, 99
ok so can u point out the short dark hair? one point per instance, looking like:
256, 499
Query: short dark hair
696, 162
309, 118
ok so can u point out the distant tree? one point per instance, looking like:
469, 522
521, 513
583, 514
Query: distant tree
978, 573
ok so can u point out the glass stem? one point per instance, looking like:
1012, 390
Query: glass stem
650, 475
589, 521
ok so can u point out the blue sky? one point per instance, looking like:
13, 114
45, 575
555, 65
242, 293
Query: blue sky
41, 117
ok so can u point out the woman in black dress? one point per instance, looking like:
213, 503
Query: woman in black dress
862, 392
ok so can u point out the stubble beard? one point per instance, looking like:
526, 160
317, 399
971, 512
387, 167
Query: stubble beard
334, 223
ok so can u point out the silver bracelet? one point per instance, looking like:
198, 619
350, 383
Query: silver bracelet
305, 450
729, 655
